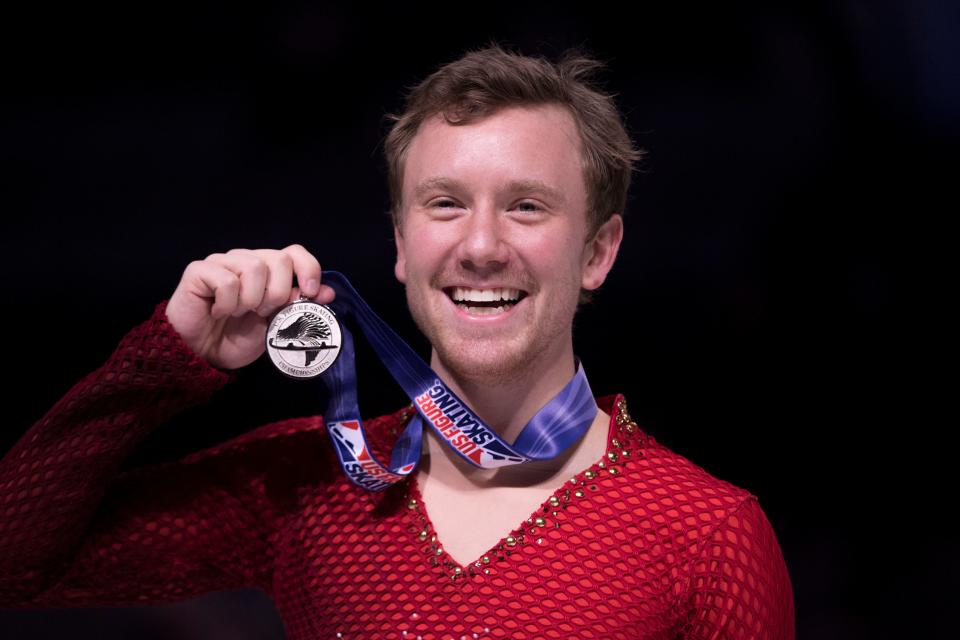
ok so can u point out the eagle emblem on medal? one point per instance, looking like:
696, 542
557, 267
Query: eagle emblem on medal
304, 339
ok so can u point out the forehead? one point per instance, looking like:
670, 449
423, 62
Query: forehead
537, 145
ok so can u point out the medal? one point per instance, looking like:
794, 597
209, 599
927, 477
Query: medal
304, 339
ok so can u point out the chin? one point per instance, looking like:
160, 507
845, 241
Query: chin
494, 365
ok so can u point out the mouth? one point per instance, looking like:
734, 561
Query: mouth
485, 302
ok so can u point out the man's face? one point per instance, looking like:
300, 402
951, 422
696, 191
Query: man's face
492, 245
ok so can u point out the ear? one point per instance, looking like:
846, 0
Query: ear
400, 268
600, 253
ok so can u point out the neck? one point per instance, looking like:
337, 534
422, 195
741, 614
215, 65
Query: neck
508, 405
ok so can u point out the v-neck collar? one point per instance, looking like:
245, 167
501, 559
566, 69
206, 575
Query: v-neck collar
622, 434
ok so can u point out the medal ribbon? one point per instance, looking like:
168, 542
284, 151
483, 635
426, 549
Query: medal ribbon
556, 426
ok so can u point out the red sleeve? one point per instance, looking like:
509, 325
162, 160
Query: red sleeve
740, 587
75, 532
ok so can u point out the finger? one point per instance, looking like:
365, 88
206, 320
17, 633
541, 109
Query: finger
326, 295
253, 273
213, 281
308, 272
279, 283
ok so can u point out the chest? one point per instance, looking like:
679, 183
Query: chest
588, 568
470, 524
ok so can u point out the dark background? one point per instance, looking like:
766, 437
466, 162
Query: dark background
755, 319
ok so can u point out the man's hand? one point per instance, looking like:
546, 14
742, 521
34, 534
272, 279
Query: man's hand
222, 305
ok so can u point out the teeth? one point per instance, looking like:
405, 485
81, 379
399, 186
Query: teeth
485, 311
463, 294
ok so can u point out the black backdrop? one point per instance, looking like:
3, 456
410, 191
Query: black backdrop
753, 319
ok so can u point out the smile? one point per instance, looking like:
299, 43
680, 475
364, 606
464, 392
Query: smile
484, 301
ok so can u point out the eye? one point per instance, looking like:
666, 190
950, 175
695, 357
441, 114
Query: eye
530, 211
529, 206
444, 209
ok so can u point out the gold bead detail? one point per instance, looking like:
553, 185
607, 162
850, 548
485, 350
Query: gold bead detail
422, 535
623, 416
612, 456
540, 522
412, 504
486, 559
554, 501
590, 475
579, 493
511, 541
613, 471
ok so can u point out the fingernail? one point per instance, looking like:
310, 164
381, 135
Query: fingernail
313, 286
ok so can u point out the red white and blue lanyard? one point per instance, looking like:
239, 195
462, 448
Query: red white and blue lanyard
556, 426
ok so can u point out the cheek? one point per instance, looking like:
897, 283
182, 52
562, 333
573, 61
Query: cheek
558, 259
428, 246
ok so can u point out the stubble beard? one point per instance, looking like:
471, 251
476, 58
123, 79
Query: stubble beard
485, 359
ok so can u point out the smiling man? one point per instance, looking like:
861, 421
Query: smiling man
494, 244
508, 180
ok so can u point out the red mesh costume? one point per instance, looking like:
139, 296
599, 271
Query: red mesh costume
644, 544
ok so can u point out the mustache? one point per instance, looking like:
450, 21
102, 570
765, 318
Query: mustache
512, 278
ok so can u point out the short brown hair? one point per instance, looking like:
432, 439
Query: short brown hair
485, 80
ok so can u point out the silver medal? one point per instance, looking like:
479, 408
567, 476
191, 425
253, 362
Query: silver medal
304, 339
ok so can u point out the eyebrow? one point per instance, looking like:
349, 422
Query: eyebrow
514, 186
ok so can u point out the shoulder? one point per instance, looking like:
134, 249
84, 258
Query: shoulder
664, 472
678, 502
737, 583
296, 437
274, 463
716, 532
687, 502
688, 480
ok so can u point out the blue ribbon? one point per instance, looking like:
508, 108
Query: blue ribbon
556, 426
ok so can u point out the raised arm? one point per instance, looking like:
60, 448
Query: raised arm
74, 531
54, 478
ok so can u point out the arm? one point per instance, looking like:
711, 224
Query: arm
71, 531
740, 587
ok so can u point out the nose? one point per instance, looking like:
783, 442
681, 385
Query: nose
482, 247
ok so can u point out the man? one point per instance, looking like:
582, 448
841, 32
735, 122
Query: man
508, 178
